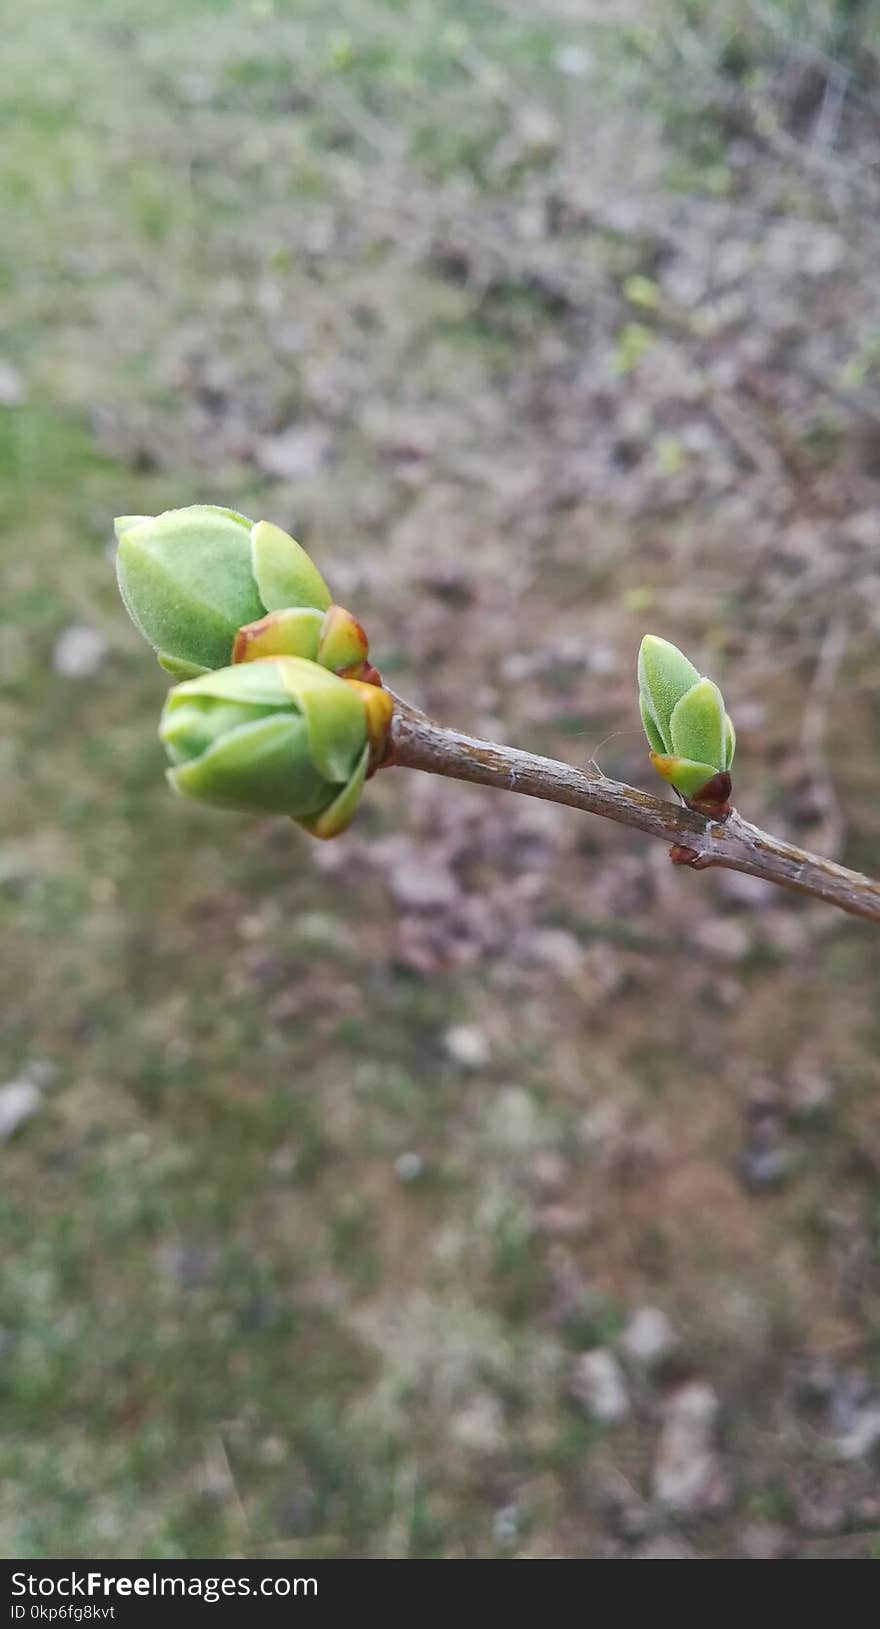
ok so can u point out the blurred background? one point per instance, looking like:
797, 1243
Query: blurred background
477, 1184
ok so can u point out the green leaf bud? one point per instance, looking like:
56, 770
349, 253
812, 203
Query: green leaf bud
277, 736
281, 633
336, 640
187, 583
192, 579
665, 675
697, 724
691, 737
283, 572
343, 644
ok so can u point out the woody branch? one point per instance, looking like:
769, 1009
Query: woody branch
417, 742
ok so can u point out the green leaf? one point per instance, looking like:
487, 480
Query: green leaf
655, 739
333, 711
259, 683
684, 774
729, 740
343, 641
291, 632
665, 675
179, 670
281, 735
186, 581
283, 571
697, 725
196, 723
340, 813
265, 766
125, 523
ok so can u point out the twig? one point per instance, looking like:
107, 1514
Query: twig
813, 730
416, 742
827, 126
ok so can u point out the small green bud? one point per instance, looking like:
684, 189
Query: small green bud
277, 736
692, 738
208, 588
187, 582
336, 640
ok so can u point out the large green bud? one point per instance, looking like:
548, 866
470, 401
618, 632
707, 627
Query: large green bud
691, 736
207, 587
278, 736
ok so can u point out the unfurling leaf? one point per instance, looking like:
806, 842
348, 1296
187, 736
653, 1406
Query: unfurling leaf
278, 736
207, 587
691, 737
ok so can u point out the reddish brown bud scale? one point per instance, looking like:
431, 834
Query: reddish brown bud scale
363, 671
713, 799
